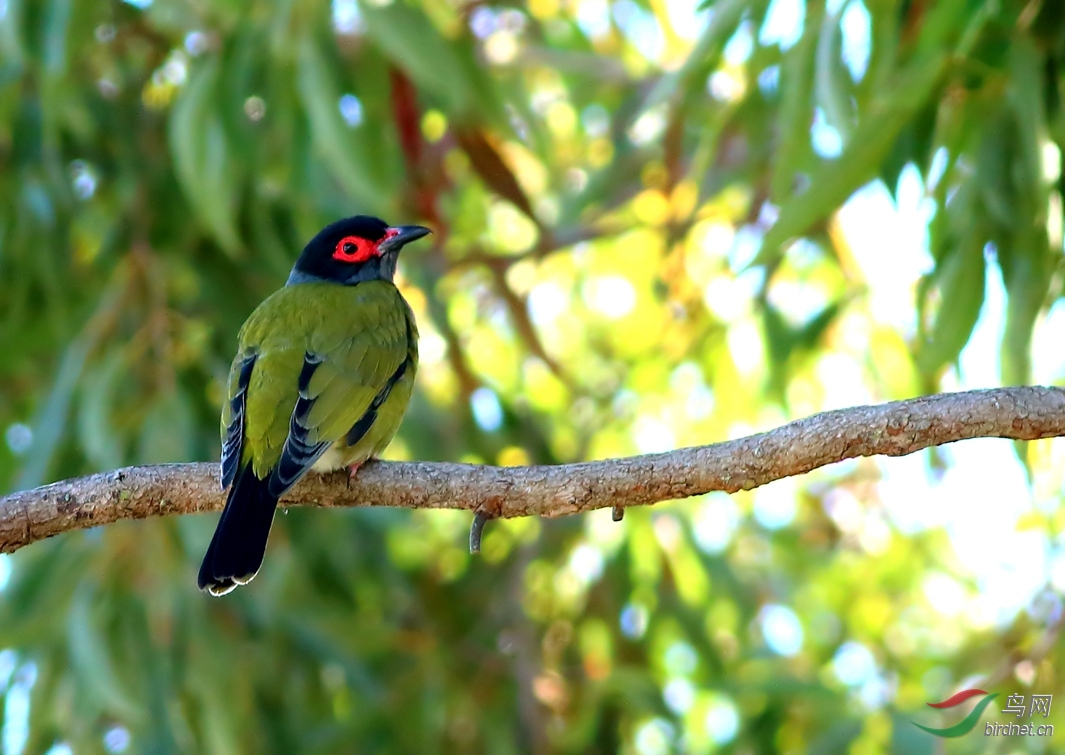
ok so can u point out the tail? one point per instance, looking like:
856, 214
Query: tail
239, 543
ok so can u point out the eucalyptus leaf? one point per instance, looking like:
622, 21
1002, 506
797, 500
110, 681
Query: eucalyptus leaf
92, 666
338, 144
201, 157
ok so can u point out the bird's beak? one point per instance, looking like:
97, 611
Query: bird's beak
401, 235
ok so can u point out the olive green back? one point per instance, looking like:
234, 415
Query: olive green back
363, 333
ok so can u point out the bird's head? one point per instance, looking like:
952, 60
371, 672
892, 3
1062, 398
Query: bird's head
353, 250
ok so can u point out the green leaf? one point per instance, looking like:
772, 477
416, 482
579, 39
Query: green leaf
1025, 255
56, 24
915, 144
796, 112
832, 82
90, 658
12, 50
835, 180
960, 278
338, 144
97, 437
878, 128
51, 420
703, 58
202, 159
444, 69
1029, 281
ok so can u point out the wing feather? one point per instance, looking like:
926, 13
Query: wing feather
358, 378
360, 428
317, 382
233, 418
300, 450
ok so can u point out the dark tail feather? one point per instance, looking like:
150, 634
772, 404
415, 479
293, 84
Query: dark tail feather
239, 543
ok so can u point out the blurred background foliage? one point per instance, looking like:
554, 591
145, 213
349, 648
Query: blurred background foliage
657, 225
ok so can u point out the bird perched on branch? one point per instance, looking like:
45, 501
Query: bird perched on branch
322, 376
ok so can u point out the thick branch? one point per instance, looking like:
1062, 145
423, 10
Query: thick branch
893, 429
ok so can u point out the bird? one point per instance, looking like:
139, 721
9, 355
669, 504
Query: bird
321, 379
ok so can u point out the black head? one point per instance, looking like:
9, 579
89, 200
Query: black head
353, 250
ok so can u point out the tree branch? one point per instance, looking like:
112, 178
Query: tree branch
893, 429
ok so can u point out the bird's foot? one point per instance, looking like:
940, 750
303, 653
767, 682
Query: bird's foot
353, 469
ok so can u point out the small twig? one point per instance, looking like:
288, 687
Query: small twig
480, 519
563, 238
523, 324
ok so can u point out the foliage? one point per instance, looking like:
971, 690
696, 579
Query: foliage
639, 245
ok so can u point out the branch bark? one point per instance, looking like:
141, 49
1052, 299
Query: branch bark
893, 429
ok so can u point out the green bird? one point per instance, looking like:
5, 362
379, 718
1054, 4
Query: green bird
322, 377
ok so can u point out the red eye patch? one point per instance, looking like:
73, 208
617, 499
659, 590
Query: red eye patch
354, 249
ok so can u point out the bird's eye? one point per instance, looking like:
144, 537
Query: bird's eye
354, 249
